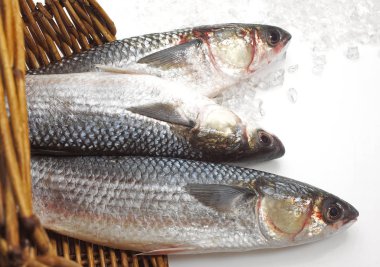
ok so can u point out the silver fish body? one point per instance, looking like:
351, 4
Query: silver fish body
162, 205
213, 57
118, 114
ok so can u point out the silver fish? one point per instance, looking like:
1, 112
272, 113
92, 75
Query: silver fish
212, 57
164, 206
119, 114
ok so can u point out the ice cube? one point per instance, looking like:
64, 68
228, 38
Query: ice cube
277, 78
258, 110
249, 95
319, 62
262, 85
293, 68
352, 53
292, 95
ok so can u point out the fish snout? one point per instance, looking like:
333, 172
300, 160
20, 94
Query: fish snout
266, 146
279, 147
351, 214
286, 37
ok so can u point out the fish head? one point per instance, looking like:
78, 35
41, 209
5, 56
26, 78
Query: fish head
293, 213
223, 129
263, 146
271, 43
329, 216
240, 49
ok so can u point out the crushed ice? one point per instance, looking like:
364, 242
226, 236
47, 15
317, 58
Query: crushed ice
328, 23
242, 98
244, 103
319, 26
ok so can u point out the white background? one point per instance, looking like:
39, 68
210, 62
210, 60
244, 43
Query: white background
331, 133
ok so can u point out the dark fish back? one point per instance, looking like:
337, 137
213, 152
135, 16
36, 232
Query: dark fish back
118, 53
98, 134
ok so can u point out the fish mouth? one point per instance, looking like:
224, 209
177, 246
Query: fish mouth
286, 36
351, 215
279, 150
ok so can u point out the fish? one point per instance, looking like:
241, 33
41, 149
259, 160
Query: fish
156, 205
142, 115
212, 57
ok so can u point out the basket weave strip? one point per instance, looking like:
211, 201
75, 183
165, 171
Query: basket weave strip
93, 255
18, 226
49, 32
60, 28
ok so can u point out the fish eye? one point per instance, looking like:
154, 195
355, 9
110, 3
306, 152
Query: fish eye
332, 212
274, 36
265, 139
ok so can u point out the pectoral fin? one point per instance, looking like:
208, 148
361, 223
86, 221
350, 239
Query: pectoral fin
164, 112
171, 57
220, 197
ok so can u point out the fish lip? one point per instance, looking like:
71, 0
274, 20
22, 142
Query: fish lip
280, 151
286, 37
351, 215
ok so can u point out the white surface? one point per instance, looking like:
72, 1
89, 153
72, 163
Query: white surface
331, 133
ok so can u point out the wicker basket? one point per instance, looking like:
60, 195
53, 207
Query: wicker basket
41, 35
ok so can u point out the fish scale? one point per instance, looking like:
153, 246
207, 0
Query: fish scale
168, 205
127, 141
